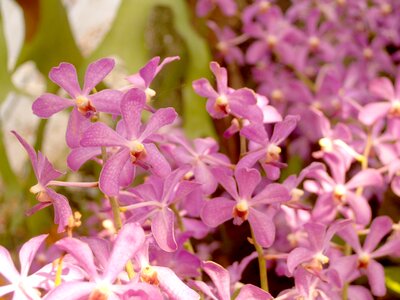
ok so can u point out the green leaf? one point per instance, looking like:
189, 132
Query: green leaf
392, 279
52, 41
5, 77
126, 39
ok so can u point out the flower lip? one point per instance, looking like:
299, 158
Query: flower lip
326, 144
273, 153
313, 42
363, 260
37, 188
395, 109
340, 191
221, 104
149, 275
101, 292
150, 93
84, 105
240, 212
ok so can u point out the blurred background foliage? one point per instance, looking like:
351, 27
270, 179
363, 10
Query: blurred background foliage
139, 31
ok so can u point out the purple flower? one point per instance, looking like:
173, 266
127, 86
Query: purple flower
45, 173
259, 209
133, 139
225, 100
23, 286
146, 75
264, 149
100, 286
85, 105
382, 88
365, 256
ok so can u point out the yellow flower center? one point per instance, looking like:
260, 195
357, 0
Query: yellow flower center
273, 153
149, 275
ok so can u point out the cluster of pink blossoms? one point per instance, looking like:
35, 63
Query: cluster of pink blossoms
319, 84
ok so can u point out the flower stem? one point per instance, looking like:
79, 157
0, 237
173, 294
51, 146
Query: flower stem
262, 262
188, 245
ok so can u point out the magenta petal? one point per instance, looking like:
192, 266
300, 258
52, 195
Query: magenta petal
368, 177
297, 257
48, 104
156, 161
359, 292
360, 207
77, 125
247, 180
160, 118
99, 134
263, 227
372, 112
79, 156
251, 158
62, 210
7, 266
130, 238
96, 72
148, 72
132, 105
163, 229
226, 181
380, 227
71, 290
166, 60
272, 193
382, 87
217, 211
283, 129
255, 133
391, 247
65, 76
205, 177
315, 235
220, 278
252, 292
221, 76
37, 207
376, 278
203, 88
31, 152
109, 176
46, 170
171, 285
28, 252
81, 252
107, 101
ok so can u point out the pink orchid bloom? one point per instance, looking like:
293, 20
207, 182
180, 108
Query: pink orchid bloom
45, 173
85, 105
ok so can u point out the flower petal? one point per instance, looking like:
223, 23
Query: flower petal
160, 118
65, 76
81, 252
96, 72
272, 193
382, 87
132, 105
368, 177
252, 292
99, 134
129, 240
171, 285
203, 88
77, 125
380, 227
217, 211
376, 278
263, 226
108, 101
283, 129
48, 104
31, 152
220, 278
8, 269
372, 112
298, 256
163, 229
62, 210
28, 252
156, 161
109, 176
71, 291
79, 156
247, 180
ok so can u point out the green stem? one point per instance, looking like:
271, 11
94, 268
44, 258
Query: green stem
188, 245
262, 262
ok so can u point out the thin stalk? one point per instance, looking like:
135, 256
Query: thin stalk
73, 184
57, 280
188, 245
262, 262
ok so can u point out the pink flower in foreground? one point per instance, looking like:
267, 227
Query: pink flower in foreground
23, 286
45, 173
103, 286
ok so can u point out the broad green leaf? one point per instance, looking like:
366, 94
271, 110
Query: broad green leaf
52, 41
392, 279
126, 39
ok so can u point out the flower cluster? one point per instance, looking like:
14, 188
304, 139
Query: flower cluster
317, 96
